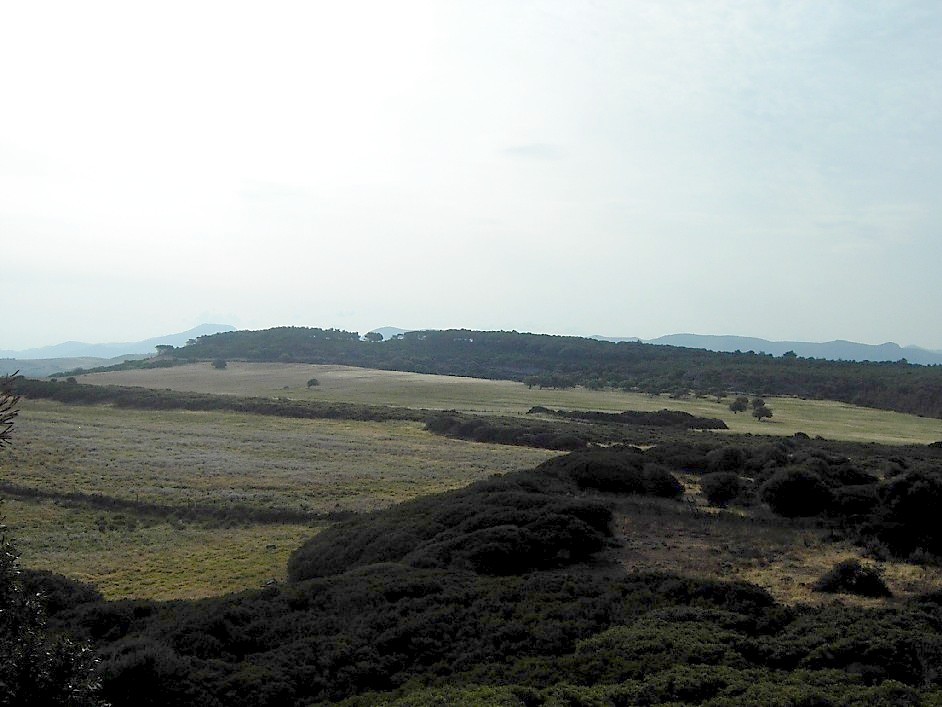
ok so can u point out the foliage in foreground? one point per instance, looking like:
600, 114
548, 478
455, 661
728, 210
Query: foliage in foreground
36, 668
496, 594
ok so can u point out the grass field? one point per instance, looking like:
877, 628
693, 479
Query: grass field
344, 383
124, 555
178, 459
205, 476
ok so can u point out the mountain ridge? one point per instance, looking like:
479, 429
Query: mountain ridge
109, 350
836, 350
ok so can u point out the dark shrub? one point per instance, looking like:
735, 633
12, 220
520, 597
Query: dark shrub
721, 487
796, 491
851, 577
615, 470
911, 512
847, 474
856, 500
492, 527
686, 457
59, 592
726, 459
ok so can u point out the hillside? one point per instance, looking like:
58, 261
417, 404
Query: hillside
559, 361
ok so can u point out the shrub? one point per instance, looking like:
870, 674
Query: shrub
313, 382
794, 492
726, 459
851, 577
219, 363
615, 470
911, 506
721, 487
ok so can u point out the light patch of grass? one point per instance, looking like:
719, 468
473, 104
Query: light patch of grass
829, 419
124, 557
179, 457
218, 460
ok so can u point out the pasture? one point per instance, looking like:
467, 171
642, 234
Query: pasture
180, 504
172, 504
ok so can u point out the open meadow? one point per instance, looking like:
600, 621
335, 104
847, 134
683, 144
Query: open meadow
179, 504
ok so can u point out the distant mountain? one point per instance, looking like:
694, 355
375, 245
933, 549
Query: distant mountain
78, 349
832, 350
40, 367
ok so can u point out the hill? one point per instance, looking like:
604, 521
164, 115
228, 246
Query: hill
566, 361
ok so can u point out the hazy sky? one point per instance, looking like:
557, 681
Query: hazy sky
770, 169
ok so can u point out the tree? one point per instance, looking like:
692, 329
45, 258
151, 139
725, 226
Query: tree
312, 382
373, 336
219, 363
739, 404
8, 409
761, 413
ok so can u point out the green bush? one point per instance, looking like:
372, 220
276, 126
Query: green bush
851, 577
721, 487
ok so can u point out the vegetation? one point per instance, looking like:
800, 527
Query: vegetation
35, 666
371, 387
851, 577
502, 591
184, 504
612, 574
559, 361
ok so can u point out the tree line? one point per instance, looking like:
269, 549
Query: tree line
563, 361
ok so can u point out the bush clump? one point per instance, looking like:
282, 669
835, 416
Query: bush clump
722, 487
796, 492
494, 527
851, 577
910, 518
615, 470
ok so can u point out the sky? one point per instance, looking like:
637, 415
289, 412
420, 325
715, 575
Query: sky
759, 168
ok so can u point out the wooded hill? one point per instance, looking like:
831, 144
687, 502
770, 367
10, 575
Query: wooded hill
565, 361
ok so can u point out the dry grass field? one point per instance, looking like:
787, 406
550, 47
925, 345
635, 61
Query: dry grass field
344, 383
785, 557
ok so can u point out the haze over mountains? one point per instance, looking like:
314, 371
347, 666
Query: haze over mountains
46, 360
71, 349
838, 350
